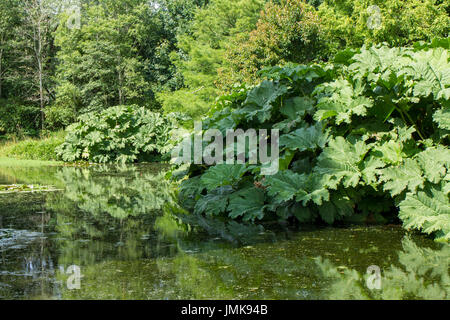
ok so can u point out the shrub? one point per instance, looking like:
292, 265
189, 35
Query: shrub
65, 108
286, 31
192, 104
360, 140
118, 134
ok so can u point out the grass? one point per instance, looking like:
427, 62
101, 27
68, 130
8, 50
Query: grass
31, 149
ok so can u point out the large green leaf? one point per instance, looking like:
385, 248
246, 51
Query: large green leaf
442, 118
259, 102
214, 203
379, 65
427, 210
313, 190
287, 185
402, 177
431, 72
222, 175
306, 138
284, 185
339, 99
297, 107
434, 162
340, 162
390, 152
248, 203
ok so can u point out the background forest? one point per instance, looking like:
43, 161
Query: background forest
62, 59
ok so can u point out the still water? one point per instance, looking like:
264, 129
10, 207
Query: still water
116, 233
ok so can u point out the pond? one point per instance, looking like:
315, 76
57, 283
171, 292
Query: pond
116, 233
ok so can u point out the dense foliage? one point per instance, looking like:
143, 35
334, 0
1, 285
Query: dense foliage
359, 140
61, 59
201, 53
364, 131
59, 69
119, 134
17, 119
128, 193
99, 62
296, 31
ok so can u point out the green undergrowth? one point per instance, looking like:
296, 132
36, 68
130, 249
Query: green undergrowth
42, 149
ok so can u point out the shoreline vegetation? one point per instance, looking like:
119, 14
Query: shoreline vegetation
41, 149
359, 93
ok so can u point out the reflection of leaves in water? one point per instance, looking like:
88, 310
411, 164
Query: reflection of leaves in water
105, 212
233, 231
120, 196
240, 273
29, 175
213, 271
424, 275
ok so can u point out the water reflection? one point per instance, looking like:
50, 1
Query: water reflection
422, 273
121, 226
128, 193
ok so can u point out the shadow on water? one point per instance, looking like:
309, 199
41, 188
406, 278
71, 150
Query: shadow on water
130, 240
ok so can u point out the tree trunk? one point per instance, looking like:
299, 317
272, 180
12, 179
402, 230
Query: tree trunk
41, 95
40, 71
120, 88
1, 73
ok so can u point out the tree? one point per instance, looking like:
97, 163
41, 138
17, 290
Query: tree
26, 51
99, 65
36, 33
300, 31
286, 31
352, 23
9, 19
171, 18
201, 52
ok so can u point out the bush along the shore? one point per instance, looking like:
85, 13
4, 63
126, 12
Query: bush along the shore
120, 134
364, 138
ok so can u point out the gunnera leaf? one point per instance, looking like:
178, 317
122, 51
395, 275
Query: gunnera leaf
340, 162
402, 177
248, 203
427, 210
222, 175
306, 138
215, 202
287, 185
